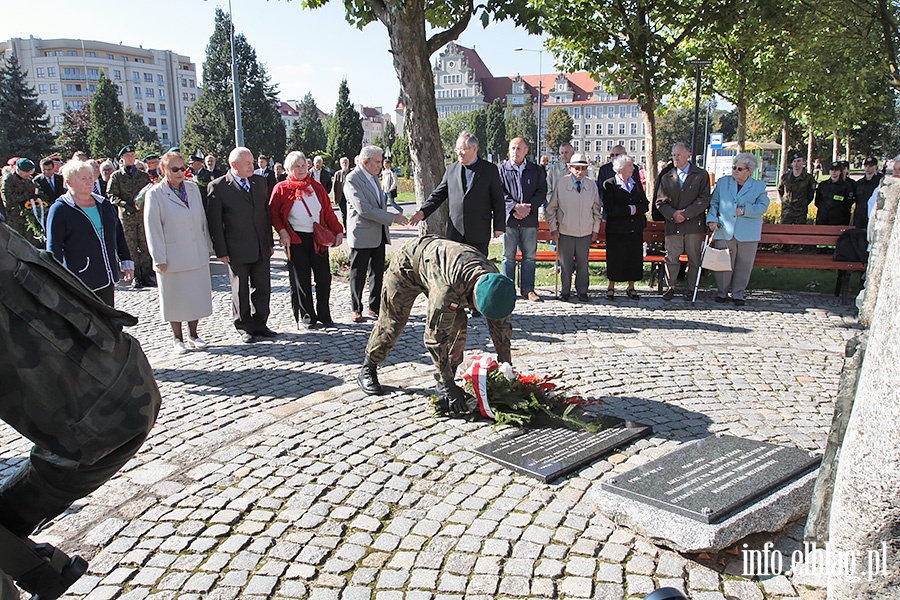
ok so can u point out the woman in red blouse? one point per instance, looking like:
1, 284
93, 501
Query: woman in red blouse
297, 203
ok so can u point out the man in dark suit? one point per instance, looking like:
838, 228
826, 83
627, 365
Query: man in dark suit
475, 192
241, 231
682, 197
321, 174
266, 173
338, 188
50, 183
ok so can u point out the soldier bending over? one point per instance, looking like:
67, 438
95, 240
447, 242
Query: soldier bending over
454, 276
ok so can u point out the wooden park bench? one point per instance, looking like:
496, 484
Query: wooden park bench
806, 236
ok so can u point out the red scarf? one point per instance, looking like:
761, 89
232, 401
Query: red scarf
302, 185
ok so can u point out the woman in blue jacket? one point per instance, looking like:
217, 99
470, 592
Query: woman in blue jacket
85, 234
735, 216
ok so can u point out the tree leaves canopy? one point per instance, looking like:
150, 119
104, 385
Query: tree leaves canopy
346, 134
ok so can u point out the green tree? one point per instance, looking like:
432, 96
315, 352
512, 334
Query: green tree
73, 133
559, 129
390, 134
416, 30
307, 134
512, 122
24, 125
475, 122
109, 131
528, 129
400, 155
210, 122
635, 47
497, 141
479, 128
672, 126
346, 134
140, 133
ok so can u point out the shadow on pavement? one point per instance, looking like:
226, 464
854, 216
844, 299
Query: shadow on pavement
668, 420
611, 324
283, 383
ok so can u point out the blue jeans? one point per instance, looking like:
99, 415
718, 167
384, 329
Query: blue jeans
526, 239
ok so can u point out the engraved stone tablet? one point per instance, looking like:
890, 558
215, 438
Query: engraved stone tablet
551, 453
709, 479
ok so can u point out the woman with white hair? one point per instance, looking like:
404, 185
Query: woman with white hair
626, 206
84, 233
735, 216
297, 203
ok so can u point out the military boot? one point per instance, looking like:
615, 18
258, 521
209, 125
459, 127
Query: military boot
368, 380
453, 400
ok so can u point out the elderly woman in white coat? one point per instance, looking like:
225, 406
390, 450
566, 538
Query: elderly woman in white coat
179, 243
735, 216
574, 216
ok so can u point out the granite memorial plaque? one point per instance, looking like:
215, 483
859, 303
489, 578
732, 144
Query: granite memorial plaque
551, 453
709, 479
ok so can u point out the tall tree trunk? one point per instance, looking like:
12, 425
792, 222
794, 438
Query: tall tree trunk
648, 111
412, 64
847, 147
809, 150
835, 143
785, 124
741, 105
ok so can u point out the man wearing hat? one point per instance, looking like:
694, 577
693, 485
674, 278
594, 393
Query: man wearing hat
834, 198
865, 185
796, 190
122, 189
152, 162
16, 189
454, 276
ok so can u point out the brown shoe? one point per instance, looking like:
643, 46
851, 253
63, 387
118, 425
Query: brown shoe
532, 296
356, 317
372, 314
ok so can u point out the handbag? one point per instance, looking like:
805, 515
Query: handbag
323, 238
715, 259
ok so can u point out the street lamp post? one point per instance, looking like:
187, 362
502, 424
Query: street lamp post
699, 64
235, 86
537, 154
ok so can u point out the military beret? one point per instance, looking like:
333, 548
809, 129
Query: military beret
151, 156
796, 155
125, 149
871, 161
173, 149
495, 296
836, 166
25, 164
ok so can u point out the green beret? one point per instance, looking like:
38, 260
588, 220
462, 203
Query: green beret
152, 155
495, 296
797, 155
25, 164
125, 149
173, 149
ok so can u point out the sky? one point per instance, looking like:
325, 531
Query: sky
303, 50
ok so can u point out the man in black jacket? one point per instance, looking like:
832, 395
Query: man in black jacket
834, 199
50, 183
475, 194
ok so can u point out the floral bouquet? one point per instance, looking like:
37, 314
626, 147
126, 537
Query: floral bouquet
511, 398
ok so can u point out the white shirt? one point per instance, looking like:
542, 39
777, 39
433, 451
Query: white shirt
299, 219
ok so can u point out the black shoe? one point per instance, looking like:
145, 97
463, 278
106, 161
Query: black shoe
306, 323
328, 323
246, 337
368, 381
136, 284
476, 314
565, 297
584, 297
669, 294
721, 299
266, 332
739, 302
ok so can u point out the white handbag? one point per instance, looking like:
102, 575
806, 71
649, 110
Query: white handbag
715, 259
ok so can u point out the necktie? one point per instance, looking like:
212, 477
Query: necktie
50, 181
246, 185
681, 176
578, 186
465, 181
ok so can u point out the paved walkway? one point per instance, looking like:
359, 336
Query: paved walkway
269, 475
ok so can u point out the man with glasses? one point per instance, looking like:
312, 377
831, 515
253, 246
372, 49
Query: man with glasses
606, 171
682, 198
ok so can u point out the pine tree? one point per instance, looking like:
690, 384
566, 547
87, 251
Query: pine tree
390, 134
140, 133
73, 133
109, 131
210, 122
528, 125
497, 138
24, 125
559, 129
346, 134
307, 134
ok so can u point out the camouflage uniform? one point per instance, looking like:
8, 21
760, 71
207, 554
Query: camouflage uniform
446, 272
122, 190
73, 383
16, 192
796, 193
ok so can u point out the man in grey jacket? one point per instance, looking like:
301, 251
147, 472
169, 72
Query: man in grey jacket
368, 230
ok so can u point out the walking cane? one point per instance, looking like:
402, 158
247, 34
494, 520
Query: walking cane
706, 245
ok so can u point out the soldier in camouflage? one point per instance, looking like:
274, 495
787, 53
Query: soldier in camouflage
796, 190
16, 190
73, 383
454, 276
122, 190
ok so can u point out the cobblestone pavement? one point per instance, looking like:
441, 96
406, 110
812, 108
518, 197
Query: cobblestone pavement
269, 475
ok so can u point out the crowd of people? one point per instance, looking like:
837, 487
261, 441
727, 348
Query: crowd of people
158, 220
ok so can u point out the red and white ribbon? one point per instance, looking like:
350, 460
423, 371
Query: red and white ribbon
477, 373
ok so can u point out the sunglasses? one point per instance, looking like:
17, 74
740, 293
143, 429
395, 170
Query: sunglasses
176, 169
739, 169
